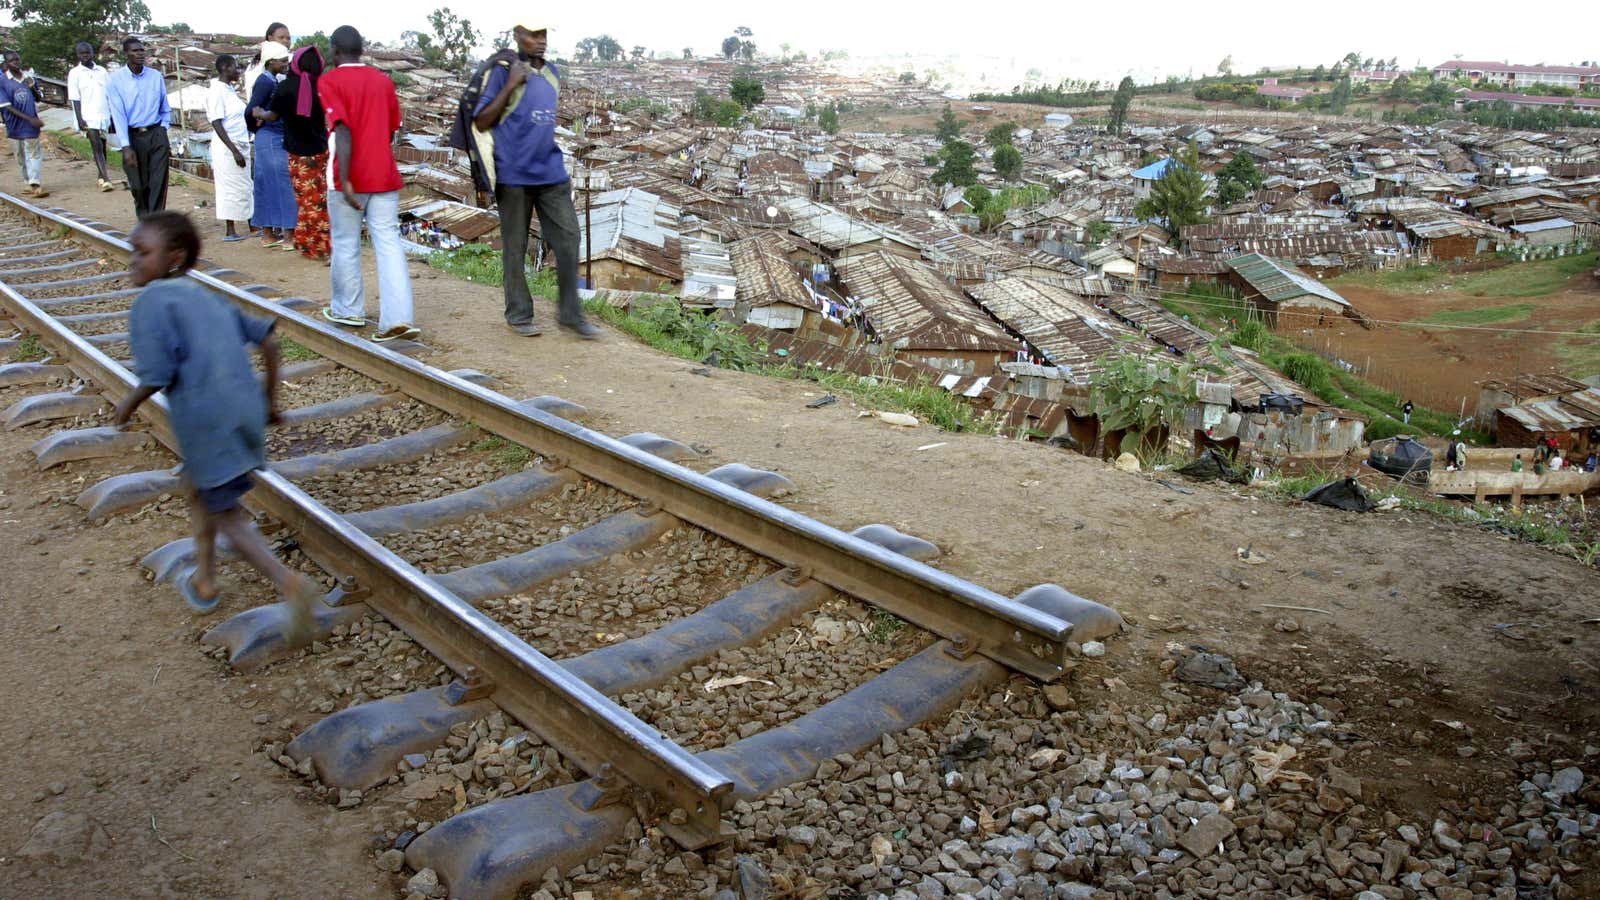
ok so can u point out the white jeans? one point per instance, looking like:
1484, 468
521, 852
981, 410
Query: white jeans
382, 217
30, 156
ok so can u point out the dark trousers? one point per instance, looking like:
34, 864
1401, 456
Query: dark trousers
97, 145
147, 181
558, 223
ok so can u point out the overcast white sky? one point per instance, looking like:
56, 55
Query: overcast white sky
1146, 39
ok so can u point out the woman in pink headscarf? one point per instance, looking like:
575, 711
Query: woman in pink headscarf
305, 137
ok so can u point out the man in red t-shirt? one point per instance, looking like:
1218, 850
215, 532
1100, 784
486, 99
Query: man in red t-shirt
363, 114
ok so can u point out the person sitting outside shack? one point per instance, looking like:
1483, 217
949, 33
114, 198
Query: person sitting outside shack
1516, 464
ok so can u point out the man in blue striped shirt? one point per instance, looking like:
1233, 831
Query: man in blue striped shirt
136, 96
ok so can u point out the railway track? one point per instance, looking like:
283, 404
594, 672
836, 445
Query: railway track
491, 535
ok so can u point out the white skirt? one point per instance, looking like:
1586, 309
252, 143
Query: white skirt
236, 192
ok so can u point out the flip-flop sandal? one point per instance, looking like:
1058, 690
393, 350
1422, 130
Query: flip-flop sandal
185, 585
289, 248
233, 238
270, 244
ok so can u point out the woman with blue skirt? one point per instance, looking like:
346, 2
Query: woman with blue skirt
275, 212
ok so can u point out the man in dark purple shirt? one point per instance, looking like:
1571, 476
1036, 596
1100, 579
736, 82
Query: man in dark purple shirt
21, 115
518, 106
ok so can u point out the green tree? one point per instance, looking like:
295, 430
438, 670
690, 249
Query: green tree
1319, 73
955, 160
947, 129
1096, 232
1142, 394
607, 48
747, 91
320, 41
1001, 133
453, 39
1119, 105
1226, 66
1179, 196
828, 119
47, 30
708, 108
730, 47
688, 53
1237, 179
1007, 162
1339, 97
908, 78
638, 53
977, 197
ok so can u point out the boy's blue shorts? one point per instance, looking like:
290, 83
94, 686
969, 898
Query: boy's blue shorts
225, 497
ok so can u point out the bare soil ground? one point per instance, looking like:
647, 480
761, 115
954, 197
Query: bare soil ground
1440, 366
120, 708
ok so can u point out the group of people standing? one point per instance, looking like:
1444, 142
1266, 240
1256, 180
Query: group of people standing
269, 150
293, 109
304, 157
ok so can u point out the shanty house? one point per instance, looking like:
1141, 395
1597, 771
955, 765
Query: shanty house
1274, 287
635, 244
920, 317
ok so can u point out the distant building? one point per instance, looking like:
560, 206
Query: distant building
1529, 101
1521, 77
1271, 88
1144, 179
1381, 76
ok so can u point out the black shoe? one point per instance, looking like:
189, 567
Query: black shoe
583, 328
526, 329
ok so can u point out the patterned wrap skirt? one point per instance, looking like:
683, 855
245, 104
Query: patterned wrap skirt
310, 177
275, 207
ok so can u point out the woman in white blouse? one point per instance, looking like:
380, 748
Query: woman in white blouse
230, 162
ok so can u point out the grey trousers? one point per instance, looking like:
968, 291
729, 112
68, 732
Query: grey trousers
97, 146
558, 223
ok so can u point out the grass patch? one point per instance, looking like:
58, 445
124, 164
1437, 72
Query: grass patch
502, 451
29, 349
482, 264
885, 625
1486, 315
1538, 278
79, 146
1293, 487
693, 336
1580, 357
295, 352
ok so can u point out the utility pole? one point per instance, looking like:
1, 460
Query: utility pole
588, 228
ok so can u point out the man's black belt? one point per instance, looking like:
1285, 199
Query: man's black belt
141, 129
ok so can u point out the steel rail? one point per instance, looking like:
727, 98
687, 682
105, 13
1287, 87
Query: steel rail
579, 721
973, 618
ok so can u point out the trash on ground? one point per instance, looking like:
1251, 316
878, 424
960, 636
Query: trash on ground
1209, 669
717, 684
822, 401
1345, 493
1212, 466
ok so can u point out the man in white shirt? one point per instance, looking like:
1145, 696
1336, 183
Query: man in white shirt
86, 90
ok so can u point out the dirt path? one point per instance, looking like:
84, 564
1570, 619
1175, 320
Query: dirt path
1412, 602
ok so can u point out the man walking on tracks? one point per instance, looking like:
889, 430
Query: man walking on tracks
136, 96
22, 120
86, 91
516, 112
363, 113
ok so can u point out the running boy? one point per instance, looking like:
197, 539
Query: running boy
191, 343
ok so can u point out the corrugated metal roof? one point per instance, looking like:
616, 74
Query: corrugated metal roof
466, 222
1571, 411
1278, 282
635, 227
707, 271
908, 306
766, 277
1066, 327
